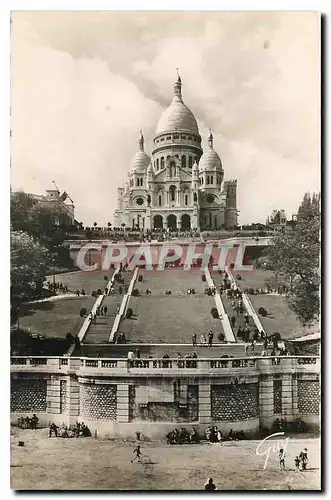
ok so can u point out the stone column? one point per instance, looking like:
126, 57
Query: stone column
53, 399
287, 406
295, 397
123, 403
204, 402
73, 399
266, 401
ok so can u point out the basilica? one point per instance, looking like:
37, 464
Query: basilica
181, 187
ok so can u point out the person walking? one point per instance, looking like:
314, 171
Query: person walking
203, 339
233, 321
105, 310
210, 339
194, 339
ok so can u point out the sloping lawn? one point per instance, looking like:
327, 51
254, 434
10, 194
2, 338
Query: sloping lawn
280, 317
55, 318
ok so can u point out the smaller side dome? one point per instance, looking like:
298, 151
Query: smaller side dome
140, 160
210, 159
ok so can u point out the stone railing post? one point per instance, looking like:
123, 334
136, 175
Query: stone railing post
266, 400
123, 403
204, 402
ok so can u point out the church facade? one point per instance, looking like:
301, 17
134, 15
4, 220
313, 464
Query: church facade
181, 187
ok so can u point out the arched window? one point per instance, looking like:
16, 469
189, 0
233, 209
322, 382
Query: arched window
162, 162
157, 164
183, 161
186, 199
211, 179
160, 200
137, 181
190, 160
196, 159
172, 193
207, 179
141, 181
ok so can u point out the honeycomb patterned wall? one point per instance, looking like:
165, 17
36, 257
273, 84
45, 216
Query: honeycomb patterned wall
234, 403
63, 396
308, 397
277, 397
98, 402
28, 395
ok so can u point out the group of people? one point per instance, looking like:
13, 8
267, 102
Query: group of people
211, 291
54, 287
100, 311
282, 425
300, 461
28, 422
214, 435
183, 436
204, 340
64, 431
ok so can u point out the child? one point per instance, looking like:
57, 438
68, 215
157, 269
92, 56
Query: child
137, 453
281, 457
297, 464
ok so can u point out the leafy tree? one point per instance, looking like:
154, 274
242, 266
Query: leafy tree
295, 259
29, 264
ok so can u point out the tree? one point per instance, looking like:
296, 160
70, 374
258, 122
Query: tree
30, 262
95, 224
295, 259
109, 224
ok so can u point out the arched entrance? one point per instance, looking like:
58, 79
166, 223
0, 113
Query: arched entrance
172, 222
158, 222
186, 222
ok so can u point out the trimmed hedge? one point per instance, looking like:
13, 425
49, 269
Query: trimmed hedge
214, 312
263, 312
82, 312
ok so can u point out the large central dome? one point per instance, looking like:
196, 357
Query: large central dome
177, 117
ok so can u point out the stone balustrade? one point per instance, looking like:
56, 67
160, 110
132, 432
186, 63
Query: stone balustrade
107, 365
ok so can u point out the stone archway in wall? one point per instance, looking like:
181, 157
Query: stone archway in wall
158, 222
186, 222
172, 222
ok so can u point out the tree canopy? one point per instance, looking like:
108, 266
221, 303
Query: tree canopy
295, 258
29, 264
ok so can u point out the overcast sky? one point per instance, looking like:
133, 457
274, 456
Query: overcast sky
84, 83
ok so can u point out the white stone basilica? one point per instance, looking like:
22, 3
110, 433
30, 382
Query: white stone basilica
182, 187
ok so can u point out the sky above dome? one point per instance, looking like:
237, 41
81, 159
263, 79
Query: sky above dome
83, 84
